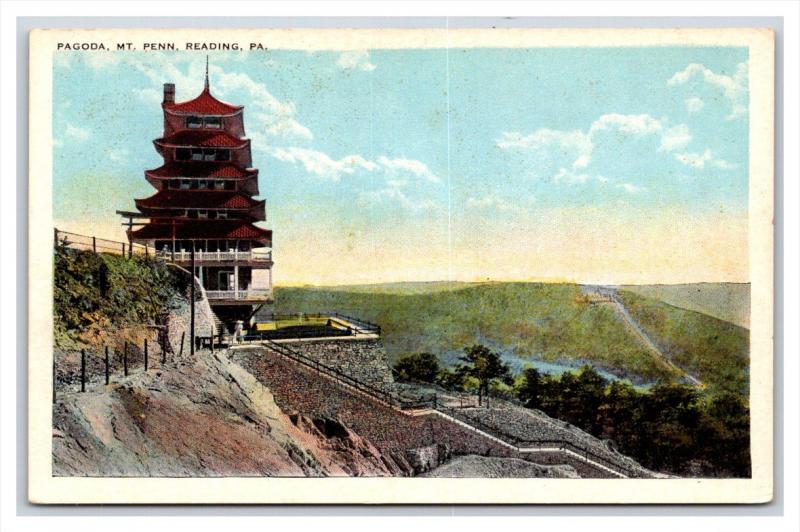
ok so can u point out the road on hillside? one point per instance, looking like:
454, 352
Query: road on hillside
609, 295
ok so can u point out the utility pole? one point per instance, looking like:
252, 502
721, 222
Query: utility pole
191, 306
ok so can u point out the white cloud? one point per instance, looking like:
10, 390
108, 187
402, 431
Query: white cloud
734, 87
118, 155
700, 160
637, 125
149, 95
577, 146
355, 59
694, 104
324, 166
492, 202
630, 188
675, 138
395, 196
417, 168
76, 132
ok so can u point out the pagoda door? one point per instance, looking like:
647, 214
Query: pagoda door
226, 281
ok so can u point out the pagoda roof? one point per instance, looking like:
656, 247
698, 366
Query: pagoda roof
209, 199
202, 139
204, 229
201, 169
204, 104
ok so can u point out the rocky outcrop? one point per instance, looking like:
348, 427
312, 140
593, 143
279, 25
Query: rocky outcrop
205, 417
472, 466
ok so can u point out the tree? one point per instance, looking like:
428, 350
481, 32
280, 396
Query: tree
486, 366
418, 366
530, 390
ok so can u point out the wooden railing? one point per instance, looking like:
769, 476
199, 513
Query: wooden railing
252, 293
234, 255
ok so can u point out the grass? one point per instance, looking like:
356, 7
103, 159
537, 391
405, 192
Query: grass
550, 322
282, 324
714, 350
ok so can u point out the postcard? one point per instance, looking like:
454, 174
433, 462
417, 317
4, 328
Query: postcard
401, 266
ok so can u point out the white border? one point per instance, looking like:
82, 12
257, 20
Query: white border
10, 10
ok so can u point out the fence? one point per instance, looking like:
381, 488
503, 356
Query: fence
100, 245
74, 370
363, 325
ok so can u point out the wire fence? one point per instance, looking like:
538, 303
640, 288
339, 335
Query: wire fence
80, 370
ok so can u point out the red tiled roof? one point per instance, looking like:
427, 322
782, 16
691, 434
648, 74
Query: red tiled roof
202, 139
204, 104
204, 229
201, 169
211, 199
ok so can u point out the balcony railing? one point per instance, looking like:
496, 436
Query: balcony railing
244, 295
235, 255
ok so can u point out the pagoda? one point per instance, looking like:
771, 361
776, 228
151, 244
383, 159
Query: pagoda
204, 202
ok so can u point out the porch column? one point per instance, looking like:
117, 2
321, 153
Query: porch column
236, 281
270, 278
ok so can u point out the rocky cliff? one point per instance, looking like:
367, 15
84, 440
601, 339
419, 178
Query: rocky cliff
203, 417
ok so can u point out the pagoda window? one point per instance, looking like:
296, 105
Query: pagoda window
223, 155
222, 214
183, 154
212, 215
186, 184
191, 213
202, 184
213, 122
230, 185
194, 122
202, 213
174, 183
219, 184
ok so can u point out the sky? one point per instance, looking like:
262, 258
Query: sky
596, 165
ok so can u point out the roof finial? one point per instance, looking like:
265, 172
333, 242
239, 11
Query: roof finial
206, 72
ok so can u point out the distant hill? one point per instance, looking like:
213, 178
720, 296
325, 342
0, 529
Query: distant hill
531, 322
403, 289
725, 301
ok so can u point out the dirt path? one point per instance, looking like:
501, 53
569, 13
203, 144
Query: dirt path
609, 296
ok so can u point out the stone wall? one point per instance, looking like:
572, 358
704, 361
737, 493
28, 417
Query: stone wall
364, 360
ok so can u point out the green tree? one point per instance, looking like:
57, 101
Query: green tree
530, 389
418, 366
486, 366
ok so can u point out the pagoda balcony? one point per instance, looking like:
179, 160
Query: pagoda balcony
253, 294
219, 256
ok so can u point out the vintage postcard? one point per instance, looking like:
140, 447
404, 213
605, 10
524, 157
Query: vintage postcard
401, 266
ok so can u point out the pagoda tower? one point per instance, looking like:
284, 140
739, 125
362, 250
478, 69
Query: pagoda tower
204, 202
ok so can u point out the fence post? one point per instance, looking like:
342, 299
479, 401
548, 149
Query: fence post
145, 354
183, 334
125, 358
106, 365
83, 370
211, 339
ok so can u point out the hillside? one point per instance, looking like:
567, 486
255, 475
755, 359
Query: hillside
526, 322
725, 301
714, 350
98, 298
206, 417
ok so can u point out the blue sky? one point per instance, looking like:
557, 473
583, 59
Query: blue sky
588, 164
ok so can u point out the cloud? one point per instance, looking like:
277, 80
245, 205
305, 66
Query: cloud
700, 160
574, 149
395, 196
630, 188
492, 202
637, 125
324, 166
149, 95
694, 104
355, 60
77, 133
118, 155
417, 168
675, 138
734, 87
